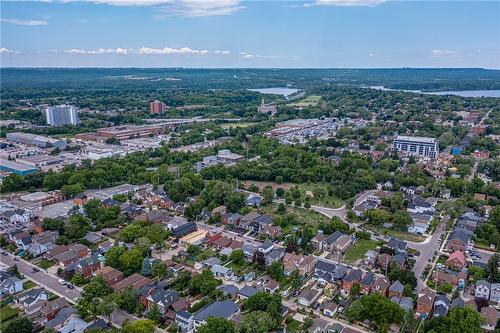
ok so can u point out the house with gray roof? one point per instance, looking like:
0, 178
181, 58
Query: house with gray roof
483, 288
184, 320
229, 290
221, 271
442, 304
396, 289
222, 309
274, 255
32, 296
9, 284
62, 315
246, 292
495, 293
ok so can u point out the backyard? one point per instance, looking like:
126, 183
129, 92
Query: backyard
359, 249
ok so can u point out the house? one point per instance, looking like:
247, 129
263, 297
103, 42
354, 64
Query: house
184, 230
330, 309
154, 294
233, 219
184, 320
71, 254
16, 216
110, 275
399, 260
61, 316
246, 292
22, 239
274, 256
304, 264
105, 246
482, 289
396, 289
229, 290
329, 243
449, 276
366, 283
136, 281
80, 199
260, 222
417, 205
317, 242
222, 309
31, 296
383, 261
272, 231
495, 293
9, 284
491, 316
88, 266
380, 285
253, 200
397, 245
268, 284
49, 309
221, 271
92, 237
456, 260
420, 223
425, 302
308, 296
318, 326
42, 242
441, 305
74, 325
458, 240
370, 258
406, 303
354, 276
326, 272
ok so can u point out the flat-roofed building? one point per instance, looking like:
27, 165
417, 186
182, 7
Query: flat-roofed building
35, 140
38, 161
17, 168
416, 145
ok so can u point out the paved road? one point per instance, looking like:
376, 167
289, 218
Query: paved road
426, 249
43, 279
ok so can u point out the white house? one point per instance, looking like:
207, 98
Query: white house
495, 293
482, 289
16, 216
9, 284
184, 320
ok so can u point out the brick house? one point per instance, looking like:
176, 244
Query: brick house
425, 302
110, 275
456, 260
354, 276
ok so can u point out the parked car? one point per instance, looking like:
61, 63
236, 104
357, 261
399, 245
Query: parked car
61, 281
35, 269
70, 286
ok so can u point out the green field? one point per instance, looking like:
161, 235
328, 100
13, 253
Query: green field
240, 124
6, 313
312, 100
358, 250
401, 235
28, 284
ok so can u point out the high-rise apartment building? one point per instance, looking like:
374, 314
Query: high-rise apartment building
61, 115
157, 107
416, 145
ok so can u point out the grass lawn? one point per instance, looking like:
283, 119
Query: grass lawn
28, 285
358, 250
45, 264
304, 216
293, 326
312, 100
239, 124
402, 235
6, 313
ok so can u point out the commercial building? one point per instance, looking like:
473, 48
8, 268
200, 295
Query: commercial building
38, 161
61, 115
122, 133
35, 140
17, 168
157, 107
416, 145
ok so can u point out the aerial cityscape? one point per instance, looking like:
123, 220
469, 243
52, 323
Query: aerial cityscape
226, 166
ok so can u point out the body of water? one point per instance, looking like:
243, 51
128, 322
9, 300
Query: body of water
276, 91
462, 93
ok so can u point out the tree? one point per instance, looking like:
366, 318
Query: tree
154, 313
146, 269
276, 270
107, 305
268, 195
477, 273
457, 320
53, 224
96, 288
404, 276
264, 301
237, 256
376, 308
19, 325
159, 270
258, 258
280, 192
493, 265
203, 283
113, 256
140, 326
281, 209
217, 325
257, 322
127, 300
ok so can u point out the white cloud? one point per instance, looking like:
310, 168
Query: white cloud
251, 56
5, 50
223, 52
345, 3
24, 22
442, 53
166, 8
119, 50
371, 54
169, 50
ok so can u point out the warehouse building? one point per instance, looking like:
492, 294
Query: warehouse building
35, 140
17, 168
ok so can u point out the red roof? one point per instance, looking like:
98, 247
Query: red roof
457, 255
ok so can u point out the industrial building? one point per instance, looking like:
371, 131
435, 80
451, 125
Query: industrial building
17, 168
38, 161
416, 145
35, 140
61, 115
122, 133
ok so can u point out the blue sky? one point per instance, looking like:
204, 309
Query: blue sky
232, 33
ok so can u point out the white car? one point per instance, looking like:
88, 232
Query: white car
61, 281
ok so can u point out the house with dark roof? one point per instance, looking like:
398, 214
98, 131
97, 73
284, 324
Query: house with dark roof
308, 296
184, 230
326, 272
366, 283
442, 304
184, 320
396, 289
380, 286
222, 309
458, 240
397, 245
246, 292
425, 302
229, 290
9, 284
354, 276
31, 296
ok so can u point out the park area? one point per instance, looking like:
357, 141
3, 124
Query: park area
308, 101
